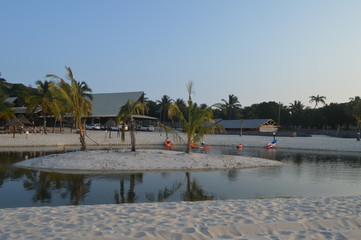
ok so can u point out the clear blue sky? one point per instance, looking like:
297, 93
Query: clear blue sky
257, 50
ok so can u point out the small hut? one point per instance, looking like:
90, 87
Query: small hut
14, 124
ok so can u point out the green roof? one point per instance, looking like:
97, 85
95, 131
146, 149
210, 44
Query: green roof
11, 99
108, 104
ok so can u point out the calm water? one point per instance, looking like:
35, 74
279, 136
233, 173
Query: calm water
305, 173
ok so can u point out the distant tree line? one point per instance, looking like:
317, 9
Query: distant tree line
294, 115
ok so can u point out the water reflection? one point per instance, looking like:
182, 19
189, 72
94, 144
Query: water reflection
131, 195
306, 173
232, 174
165, 193
39, 183
43, 184
194, 191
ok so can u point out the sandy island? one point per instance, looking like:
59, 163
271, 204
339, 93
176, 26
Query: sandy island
141, 160
295, 218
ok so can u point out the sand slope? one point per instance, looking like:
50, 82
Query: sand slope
303, 218
144, 160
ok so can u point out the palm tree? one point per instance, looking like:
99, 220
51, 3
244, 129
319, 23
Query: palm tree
296, 107
44, 98
318, 99
164, 104
356, 98
355, 104
195, 121
231, 108
6, 113
296, 110
78, 97
126, 115
61, 107
181, 104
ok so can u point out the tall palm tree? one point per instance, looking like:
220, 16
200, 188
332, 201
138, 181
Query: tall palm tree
125, 115
355, 110
296, 109
318, 99
6, 113
195, 121
164, 104
78, 97
181, 104
44, 98
231, 108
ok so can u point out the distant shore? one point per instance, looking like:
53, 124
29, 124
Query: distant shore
101, 138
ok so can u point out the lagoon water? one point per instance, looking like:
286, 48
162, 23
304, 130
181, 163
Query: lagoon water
304, 174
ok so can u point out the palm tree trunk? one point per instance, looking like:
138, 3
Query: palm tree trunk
122, 191
188, 149
54, 125
61, 125
45, 130
82, 141
82, 136
132, 133
131, 193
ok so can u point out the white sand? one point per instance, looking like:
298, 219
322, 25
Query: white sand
144, 160
304, 218
301, 218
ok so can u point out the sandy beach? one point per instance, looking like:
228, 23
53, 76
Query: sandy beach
291, 218
303, 218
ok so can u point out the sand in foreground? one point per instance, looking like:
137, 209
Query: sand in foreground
303, 218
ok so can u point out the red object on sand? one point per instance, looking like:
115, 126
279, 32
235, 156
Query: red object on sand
168, 143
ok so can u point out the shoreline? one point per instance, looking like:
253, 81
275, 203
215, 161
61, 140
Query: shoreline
101, 139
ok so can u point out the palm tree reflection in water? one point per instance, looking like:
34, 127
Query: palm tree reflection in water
194, 192
78, 186
131, 195
44, 184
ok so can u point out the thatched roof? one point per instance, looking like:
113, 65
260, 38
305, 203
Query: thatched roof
14, 122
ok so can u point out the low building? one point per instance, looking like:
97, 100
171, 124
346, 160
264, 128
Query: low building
20, 110
107, 105
248, 125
